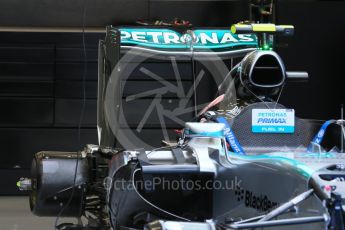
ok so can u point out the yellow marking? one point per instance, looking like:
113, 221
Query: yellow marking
287, 26
233, 29
264, 27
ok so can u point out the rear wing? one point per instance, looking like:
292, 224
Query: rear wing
220, 41
161, 41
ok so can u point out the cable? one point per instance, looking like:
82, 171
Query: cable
193, 72
160, 148
342, 128
80, 119
280, 93
152, 205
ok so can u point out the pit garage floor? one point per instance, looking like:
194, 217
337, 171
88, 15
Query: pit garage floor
15, 215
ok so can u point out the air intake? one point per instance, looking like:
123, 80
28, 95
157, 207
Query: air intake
261, 73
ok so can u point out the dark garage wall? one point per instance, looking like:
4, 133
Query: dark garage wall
104, 12
40, 97
317, 47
